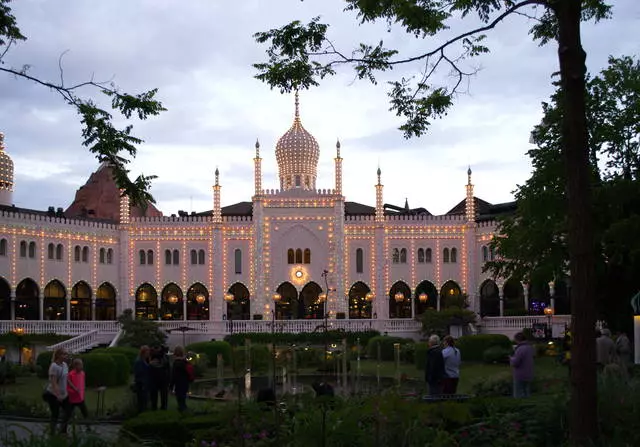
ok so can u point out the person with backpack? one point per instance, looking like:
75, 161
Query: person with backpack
159, 372
182, 374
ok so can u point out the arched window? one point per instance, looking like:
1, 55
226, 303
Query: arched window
150, 257
76, 253
85, 254
291, 257
395, 257
51, 251
485, 253
420, 255
176, 257
237, 254
359, 260
427, 256
201, 257
194, 257
454, 255
167, 257
23, 249
403, 256
32, 249
298, 256
110, 256
298, 184
101, 256
492, 253
307, 256
445, 255
59, 251
143, 257
3, 247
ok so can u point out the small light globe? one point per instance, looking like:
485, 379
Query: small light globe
399, 296
173, 299
548, 311
322, 297
228, 297
276, 297
200, 299
370, 296
423, 297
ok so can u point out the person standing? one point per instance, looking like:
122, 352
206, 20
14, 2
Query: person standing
522, 364
180, 377
434, 369
605, 349
159, 372
55, 393
76, 388
623, 349
452, 360
141, 378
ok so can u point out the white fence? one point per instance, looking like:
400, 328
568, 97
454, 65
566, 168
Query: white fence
59, 327
511, 325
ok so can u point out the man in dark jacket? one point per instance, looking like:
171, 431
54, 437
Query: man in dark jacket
434, 370
159, 373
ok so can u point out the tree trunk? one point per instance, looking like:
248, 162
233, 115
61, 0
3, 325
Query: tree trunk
583, 408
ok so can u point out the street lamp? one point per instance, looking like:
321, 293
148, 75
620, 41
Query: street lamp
548, 311
399, 296
423, 297
19, 333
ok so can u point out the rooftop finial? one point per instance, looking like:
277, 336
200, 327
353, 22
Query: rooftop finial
257, 148
379, 174
297, 101
217, 176
338, 148
469, 175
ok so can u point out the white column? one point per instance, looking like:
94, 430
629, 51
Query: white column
13, 307
93, 309
501, 302
41, 306
525, 291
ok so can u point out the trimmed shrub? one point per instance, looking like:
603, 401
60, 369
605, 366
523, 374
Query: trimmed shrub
386, 347
472, 347
43, 361
420, 354
496, 354
101, 370
123, 369
212, 349
312, 338
260, 356
130, 353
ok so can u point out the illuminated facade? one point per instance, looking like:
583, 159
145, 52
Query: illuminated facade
275, 256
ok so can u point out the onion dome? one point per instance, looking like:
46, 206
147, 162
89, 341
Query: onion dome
6, 168
297, 153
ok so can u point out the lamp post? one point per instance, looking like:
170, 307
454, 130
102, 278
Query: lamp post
548, 311
19, 333
228, 297
276, 299
325, 298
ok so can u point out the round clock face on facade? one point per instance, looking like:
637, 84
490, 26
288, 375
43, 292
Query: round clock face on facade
299, 273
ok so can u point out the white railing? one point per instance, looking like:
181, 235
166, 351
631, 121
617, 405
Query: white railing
114, 341
59, 327
523, 321
79, 343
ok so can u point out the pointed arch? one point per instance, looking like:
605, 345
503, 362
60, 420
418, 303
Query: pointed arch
85, 254
23, 249
237, 259
150, 257
105, 302
311, 303
489, 298
420, 255
55, 303
240, 307
194, 257
102, 256
395, 256
5, 299
400, 309
3, 247
51, 248
427, 256
146, 302
539, 296
110, 256
485, 253
448, 291
288, 308
143, 257
298, 256
454, 255
445, 255
167, 257
513, 294
403, 256
171, 302
307, 256
197, 302
428, 288
59, 252
80, 303
359, 260
76, 253
176, 256
291, 256
359, 306
27, 300
201, 257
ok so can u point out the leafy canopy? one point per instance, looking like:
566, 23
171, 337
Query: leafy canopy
110, 144
138, 333
300, 55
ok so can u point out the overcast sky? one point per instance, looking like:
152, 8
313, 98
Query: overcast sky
199, 54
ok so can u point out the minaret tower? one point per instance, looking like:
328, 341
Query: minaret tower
338, 161
379, 199
6, 175
257, 170
470, 206
217, 212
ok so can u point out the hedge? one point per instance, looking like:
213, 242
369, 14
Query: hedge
496, 354
386, 347
472, 347
101, 370
420, 354
212, 349
130, 353
43, 361
260, 357
314, 338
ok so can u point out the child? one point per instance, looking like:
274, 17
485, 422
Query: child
75, 388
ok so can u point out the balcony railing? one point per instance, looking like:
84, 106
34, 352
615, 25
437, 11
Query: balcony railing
58, 327
80, 343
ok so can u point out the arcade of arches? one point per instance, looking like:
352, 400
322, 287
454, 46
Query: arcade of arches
515, 300
172, 303
56, 304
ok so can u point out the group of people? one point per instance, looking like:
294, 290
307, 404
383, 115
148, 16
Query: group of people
65, 390
610, 352
154, 376
442, 370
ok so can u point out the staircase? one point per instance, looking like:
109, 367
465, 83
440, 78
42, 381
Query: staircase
83, 342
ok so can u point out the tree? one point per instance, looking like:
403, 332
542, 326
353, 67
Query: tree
108, 143
533, 242
299, 56
138, 333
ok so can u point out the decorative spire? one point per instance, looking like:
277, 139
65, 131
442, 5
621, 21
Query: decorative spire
469, 176
338, 148
257, 148
406, 204
379, 174
217, 173
297, 112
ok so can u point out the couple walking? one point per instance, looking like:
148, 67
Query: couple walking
442, 371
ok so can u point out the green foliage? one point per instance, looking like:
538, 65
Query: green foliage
472, 347
311, 338
438, 322
43, 361
260, 358
11, 338
212, 349
496, 354
101, 370
34, 439
386, 343
165, 427
130, 353
420, 355
8, 372
139, 332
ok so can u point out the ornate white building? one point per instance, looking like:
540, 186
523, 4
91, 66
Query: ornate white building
278, 255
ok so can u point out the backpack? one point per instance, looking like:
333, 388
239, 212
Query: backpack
191, 373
